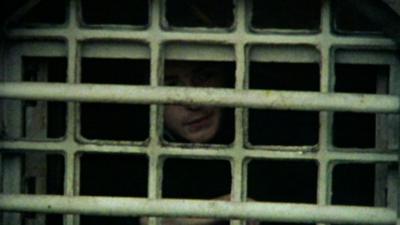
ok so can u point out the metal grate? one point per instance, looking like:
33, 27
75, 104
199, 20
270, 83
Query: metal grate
241, 44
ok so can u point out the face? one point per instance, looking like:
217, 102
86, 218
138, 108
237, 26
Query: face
196, 124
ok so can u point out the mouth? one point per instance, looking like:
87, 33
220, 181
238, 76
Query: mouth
199, 123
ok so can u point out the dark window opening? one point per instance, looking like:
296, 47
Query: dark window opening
285, 76
353, 184
43, 174
115, 71
180, 121
361, 78
282, 181
124, 122
119, 12
272, 223
108, 220
44, 69
354, 130
196, 179
358, 129
273, 127
200, 13
115, 122
55, 184
113, 175
286, 14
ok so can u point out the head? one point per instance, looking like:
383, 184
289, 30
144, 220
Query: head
193, 123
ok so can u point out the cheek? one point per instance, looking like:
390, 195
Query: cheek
172, 116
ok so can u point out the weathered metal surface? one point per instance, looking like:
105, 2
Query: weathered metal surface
278, 212
227, 38
118, 42
202, 96
100, 49
222, 152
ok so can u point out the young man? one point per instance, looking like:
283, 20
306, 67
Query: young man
197, 124
193, 123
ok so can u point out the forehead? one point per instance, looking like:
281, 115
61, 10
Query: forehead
192, 68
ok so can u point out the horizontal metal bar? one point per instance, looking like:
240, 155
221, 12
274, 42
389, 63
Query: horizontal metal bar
262, 99
277, 212
214, 37
364, 156
130, 50
286, 152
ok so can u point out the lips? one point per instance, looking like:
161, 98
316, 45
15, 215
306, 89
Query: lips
199, 123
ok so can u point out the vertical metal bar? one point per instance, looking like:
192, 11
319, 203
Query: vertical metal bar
325, 134
73, 70
155, 70
239, 180
325, 118
154, 181
69, 182
156, 64
155, 117
240, 74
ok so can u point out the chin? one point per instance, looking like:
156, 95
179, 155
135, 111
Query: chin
205, 137
200, 140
